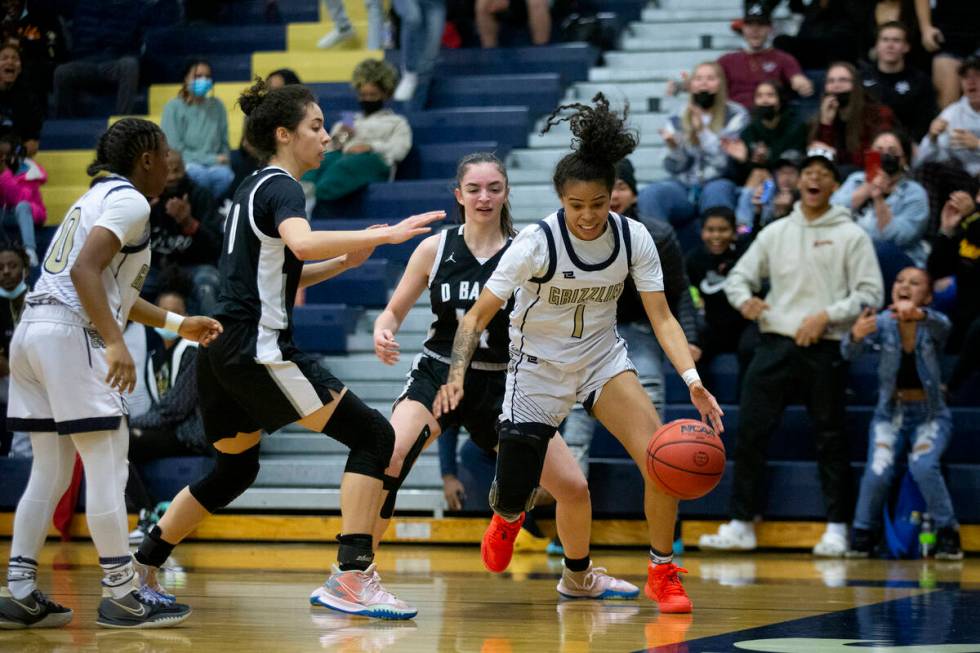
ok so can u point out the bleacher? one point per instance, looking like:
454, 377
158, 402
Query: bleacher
482, 99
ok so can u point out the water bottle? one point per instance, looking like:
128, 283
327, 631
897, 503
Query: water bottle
927, 536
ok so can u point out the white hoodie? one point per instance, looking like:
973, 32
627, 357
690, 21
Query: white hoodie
812, 265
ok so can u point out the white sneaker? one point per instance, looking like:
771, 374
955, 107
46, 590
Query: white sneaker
406, 87
831, 545
730, 537
361, 593
595, 583
335, 37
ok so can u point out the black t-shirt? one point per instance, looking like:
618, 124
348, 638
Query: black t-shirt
259, 274
10, 310
169, 242
454, 287
20, 113
909, 94
708, 273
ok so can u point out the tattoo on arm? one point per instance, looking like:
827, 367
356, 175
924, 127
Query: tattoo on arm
464, 344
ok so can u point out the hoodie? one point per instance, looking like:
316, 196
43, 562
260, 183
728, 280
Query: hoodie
824, 264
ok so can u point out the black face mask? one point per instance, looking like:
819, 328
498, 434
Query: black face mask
704, 99
766, 112
890, 164
371, 106
843, 99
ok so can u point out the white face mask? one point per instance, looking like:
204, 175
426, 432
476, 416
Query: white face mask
16, 292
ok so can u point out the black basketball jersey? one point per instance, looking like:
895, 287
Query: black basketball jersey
259, 274
455, 282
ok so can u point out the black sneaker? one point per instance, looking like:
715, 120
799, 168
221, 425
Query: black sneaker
862, 543
34, 611
140, 609
948, 544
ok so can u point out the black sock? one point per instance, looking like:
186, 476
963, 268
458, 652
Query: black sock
576, 564
658, 558
355, 551
154, 551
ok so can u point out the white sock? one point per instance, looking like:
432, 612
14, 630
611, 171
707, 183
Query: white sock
117, 575
837, 528
51, 469
106, 469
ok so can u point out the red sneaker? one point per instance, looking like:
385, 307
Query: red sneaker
497, 546
664, 587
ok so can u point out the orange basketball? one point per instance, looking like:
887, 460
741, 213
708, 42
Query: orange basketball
685, 458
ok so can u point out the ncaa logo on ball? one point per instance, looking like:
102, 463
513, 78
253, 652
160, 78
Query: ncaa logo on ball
700, 459
696, 428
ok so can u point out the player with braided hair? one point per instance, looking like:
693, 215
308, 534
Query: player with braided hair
570, 270
69, 369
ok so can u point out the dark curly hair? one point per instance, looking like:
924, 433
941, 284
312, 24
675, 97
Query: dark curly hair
600, 139
475, 158
17, 248
123, 144
266, 110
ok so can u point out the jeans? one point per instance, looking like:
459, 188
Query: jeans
24, 218
216, 178
646, 355
421, 33
79, 76
778, 370
375, 36
679, 205
926, 437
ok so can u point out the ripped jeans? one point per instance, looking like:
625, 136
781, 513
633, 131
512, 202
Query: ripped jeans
925, 438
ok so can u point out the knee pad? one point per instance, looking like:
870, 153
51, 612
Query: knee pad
520, 459
368, 434
232, 474
392, 483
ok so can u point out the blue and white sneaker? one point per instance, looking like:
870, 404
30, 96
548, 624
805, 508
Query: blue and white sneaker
146, 579
33, 611
140, 609
360, 593
595, 583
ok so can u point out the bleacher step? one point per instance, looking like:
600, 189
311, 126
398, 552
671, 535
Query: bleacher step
316, 499
300, 471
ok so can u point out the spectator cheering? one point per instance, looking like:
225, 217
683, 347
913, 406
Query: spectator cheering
365, 146
801, 323
848, 119
759, 62
955, 135
911, 413
904, 89
772, 197
186, 233
106, 38
890, 207
702, 139
196, 125
774, 129
20, 113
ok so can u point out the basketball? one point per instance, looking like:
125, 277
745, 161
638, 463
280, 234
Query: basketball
686, 458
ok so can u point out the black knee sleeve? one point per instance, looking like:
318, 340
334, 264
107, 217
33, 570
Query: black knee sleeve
232, 474
392, 483
368, 434
520, 459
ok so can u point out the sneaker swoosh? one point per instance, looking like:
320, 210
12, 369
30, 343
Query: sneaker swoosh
36, 610
136, 613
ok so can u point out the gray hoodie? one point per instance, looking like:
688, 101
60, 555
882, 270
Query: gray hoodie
824, 264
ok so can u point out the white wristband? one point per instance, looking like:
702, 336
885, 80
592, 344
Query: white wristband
690, 376
173, 321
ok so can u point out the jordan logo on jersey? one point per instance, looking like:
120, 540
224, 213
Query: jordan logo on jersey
450, 259
563, 296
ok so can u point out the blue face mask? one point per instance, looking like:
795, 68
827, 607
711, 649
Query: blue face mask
16, 292
166, 334
201, 86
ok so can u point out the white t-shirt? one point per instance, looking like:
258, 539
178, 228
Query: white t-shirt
565, 302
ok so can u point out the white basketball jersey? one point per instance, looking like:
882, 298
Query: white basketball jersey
568, 315
115, 204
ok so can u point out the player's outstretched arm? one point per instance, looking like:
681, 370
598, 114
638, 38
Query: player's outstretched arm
409, 289
314, 273
199, 328
674, 343
464, 344
309, 245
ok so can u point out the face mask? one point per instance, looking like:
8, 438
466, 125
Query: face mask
890, 164
166, 334
371, 106
843, 99
704, 99
201, 86
765, 112
16, 292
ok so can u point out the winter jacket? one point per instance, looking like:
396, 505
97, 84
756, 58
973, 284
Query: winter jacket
25, 186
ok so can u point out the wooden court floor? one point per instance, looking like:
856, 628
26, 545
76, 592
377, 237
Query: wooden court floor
253, 598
